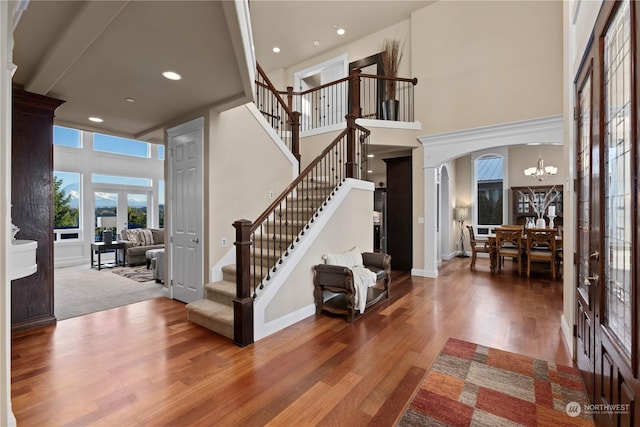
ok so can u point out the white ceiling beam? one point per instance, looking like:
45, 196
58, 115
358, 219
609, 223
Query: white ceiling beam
79, 35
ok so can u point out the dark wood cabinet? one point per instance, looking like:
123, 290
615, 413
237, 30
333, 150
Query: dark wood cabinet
522, 207
399, 213
32, 205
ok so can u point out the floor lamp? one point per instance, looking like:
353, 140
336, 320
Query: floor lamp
461, 214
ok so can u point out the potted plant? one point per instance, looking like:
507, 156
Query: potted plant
391, 55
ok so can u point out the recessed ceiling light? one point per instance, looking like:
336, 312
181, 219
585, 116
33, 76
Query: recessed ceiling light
130, 99
276, 49
171, 75
340, 31
369, 171
371, 155
316, 43
96, 119
534, 143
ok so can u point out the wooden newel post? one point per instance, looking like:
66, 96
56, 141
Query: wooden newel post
295, 136
290, 97
243, 302
352, 163
356, 109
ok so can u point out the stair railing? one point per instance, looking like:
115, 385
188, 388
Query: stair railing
325, 105
277, 112
262, 245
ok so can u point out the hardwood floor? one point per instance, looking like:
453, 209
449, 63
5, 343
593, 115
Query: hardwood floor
145, 365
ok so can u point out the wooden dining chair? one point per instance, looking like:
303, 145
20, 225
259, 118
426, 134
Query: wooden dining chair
541, 246
509, 245
476, 247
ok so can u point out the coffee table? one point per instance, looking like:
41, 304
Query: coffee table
100, 247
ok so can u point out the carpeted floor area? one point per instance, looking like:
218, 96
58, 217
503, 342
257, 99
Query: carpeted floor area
81, 290
470, 384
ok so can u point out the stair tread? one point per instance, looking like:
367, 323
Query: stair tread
222, 286
222, 312
211, 315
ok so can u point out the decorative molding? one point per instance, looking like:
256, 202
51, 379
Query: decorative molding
439, 148
389, 124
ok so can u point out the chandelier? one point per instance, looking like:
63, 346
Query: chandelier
541, 171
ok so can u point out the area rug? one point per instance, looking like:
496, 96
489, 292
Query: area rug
473, 385
139, 274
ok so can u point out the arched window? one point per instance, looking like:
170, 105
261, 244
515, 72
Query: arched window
489, 189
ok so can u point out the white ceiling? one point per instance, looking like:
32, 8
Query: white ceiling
93, 55
293, 26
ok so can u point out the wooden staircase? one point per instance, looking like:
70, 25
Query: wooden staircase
215, 311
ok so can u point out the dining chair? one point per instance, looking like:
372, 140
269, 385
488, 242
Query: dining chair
541, 246
509, 245
476, 247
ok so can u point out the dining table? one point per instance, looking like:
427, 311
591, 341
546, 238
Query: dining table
493, 250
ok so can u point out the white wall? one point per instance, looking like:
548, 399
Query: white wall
241, 140
86, 161
346, 222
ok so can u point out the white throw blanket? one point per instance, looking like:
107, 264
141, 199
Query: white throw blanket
363, 278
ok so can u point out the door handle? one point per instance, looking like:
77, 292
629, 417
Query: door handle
595, 255
195, 240
590, 279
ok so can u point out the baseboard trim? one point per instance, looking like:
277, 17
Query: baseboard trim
280, 323
567, 333
35, 323
424, 273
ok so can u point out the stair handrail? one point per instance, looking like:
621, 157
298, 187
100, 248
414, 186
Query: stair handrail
293, 117
322, 177
370, 98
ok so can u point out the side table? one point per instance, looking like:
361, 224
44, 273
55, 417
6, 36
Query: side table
101, 247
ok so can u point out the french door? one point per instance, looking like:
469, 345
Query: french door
607, 226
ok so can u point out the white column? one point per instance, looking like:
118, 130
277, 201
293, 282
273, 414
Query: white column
430, 226
7, 69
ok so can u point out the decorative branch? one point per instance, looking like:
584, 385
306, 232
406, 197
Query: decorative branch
540, 206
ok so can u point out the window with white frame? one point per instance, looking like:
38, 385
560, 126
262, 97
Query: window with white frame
123, 146
489, 179
66, 205
67, 137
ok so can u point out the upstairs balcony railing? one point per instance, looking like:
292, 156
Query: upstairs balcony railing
367, 96
278, 113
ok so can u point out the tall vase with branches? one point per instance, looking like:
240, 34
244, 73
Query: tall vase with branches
391, 56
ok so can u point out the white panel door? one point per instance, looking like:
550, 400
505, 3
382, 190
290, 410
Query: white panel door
187, 211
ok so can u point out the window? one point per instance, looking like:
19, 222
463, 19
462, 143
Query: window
120, 180
489, 197
160, 152
116, 145
67, 137
161, 203
66, 200
136, 210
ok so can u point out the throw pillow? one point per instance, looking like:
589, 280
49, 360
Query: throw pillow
147, 236
135, 238
351, 258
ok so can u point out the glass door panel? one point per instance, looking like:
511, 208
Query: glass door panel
137, 207
106, 213
618, 185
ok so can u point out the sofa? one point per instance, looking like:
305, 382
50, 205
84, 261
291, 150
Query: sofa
351, 281
138, 241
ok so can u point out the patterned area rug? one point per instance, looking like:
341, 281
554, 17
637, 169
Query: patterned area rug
139, 274
473, 385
